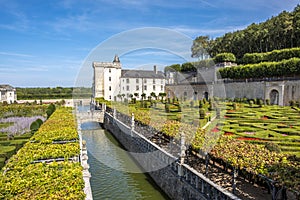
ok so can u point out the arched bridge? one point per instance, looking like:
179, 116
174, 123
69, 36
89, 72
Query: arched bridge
90, 116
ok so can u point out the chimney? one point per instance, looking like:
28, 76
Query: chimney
155, 70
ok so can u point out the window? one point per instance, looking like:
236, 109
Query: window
137, 80
127, 80
153, 87
109, 70
162, 81
162, 88
137, 88
145, 87
153, 81
109, 96
109, 88
145, 80
109, 78
127, 87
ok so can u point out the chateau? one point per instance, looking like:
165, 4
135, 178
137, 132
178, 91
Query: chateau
111, 82
7, 94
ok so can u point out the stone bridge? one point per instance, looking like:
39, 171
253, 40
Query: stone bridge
89, 116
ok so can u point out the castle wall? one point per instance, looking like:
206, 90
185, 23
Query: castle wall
287, 90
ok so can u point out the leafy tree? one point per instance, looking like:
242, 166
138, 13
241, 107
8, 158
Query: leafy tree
224, 57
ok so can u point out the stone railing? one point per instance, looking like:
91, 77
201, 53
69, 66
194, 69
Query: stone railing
176, 179
83, 160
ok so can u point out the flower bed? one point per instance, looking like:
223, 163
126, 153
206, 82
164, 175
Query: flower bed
22, 178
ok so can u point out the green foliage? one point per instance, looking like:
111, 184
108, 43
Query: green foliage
278, 32
34, 126
224, 57
275, 55
51, 108
53, 180
265, 69
167, 107
271, 146
202, 113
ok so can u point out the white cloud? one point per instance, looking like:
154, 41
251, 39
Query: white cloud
15, 54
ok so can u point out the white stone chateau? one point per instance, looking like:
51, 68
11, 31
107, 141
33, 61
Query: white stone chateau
8, 94
111, 82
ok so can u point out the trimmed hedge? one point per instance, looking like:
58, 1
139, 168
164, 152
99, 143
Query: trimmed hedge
265, 69
276, 55
224, 57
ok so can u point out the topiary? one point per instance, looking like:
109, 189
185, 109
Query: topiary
202, 113
39, 121
272, 147
34, 126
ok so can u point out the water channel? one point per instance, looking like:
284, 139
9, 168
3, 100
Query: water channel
109, 168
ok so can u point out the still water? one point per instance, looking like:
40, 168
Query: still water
115, 175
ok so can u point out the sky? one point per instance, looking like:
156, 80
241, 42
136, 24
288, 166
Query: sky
53, 43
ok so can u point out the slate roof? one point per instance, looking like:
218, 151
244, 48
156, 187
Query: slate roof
6, 87
142, 74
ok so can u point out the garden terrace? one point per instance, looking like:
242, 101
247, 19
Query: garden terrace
257, 156
264, 125
50, 160
15, 122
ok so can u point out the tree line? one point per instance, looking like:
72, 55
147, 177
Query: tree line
53, 93
279, 32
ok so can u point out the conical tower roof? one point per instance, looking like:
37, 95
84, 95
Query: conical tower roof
116, 59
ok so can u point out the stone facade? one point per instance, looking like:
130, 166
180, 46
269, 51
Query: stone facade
8, 94
278, 92
113, 83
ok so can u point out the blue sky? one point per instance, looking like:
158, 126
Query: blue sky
51, 43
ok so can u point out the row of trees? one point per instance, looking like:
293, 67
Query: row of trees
279, 32
53, 93
135, 96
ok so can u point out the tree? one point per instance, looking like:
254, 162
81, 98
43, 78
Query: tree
200, 47
136, 95
143, 96
224, 57
162, 95
152, 94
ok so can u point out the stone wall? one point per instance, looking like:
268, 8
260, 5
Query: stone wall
287, 90
177, 180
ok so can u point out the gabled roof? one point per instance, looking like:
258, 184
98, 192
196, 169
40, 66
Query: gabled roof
142, 74
6, 87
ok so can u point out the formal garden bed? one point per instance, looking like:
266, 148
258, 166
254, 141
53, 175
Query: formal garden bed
255, 139
47, 166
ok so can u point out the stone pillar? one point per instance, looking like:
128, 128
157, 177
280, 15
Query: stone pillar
182, 154
86, 174
132, 124
115, 113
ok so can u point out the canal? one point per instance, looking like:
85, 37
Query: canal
115, 175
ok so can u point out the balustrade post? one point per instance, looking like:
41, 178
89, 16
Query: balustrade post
115, 113
234, 176
132, 124
182, 154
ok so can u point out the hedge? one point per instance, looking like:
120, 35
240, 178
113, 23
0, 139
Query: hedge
276, 55
265, 69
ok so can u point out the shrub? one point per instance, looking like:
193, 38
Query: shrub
51, 108
224, 57
202, 113
167, 107
272, 147
34, 126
